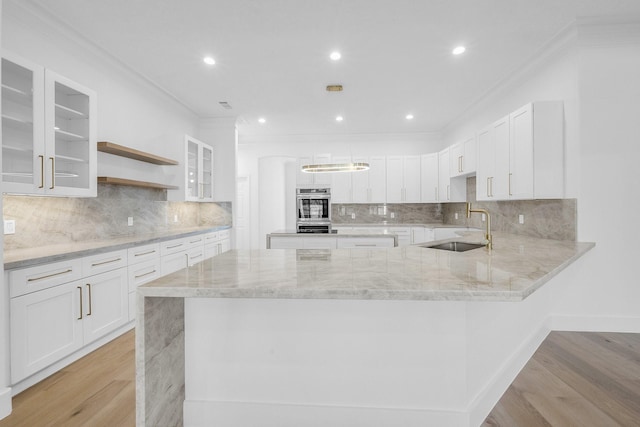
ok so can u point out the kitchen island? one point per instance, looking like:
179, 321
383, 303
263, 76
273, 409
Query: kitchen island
401, 336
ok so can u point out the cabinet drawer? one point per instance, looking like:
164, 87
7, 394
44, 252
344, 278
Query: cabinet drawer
195, 256
224, 234
195, 241
143, 272
210, 238
143, 253
173, 262
365, 242
40, 277
173, 246
101, 263
211, 250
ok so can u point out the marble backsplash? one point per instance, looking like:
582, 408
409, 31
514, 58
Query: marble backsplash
42, 221
400, 213
549, 219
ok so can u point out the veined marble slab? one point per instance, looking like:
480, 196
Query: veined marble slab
21, 258
515, 268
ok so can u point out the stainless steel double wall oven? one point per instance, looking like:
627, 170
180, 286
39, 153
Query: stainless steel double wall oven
314, 210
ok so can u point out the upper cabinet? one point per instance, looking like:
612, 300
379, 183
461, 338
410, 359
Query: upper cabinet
429, 177
310, 179
521, 156
370, 186
462, 157
49, 132
198, 186
403, 179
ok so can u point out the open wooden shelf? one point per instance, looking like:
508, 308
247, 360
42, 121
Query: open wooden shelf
134, 183
130, 153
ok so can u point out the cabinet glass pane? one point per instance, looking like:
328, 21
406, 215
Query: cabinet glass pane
17, 123
72, 138
207, 173
192, 169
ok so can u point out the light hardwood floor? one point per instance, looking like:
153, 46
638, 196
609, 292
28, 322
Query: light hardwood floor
574, 379
97, 390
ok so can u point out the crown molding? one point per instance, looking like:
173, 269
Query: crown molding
51, 25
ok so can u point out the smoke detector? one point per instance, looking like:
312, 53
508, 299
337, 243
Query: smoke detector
225, 105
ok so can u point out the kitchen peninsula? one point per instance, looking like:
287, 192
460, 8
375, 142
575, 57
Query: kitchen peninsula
406, 336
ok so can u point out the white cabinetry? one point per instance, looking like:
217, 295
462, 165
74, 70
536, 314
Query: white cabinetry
521, 156
462, 158
403, 179
58, 317
370, 186
342, 183
216, 243
429, 176
365, 242
306, 179
49, 132
443, 176
143, 266
198, 180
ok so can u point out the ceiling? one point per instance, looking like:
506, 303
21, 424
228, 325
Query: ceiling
272, 56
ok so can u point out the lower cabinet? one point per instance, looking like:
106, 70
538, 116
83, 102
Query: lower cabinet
53, 323
366, 242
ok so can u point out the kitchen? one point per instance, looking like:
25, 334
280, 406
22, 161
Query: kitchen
591, 66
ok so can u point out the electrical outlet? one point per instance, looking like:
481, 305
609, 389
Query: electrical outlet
175, 218
353, 216
484, 217
9, 226
455, 215
393, 215
130, 221
521, 219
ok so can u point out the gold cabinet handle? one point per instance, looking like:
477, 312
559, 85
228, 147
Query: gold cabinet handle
53, 173
89, 288
80, 288
95, 264
145, 274
145, 253
41, 157
510, 175
34, 279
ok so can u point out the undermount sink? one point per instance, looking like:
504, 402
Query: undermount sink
455, 246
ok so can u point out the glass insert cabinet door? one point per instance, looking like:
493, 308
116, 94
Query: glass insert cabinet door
22, 126
199, 170
49, 132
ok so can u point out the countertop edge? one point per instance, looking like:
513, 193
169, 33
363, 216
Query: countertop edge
104, 246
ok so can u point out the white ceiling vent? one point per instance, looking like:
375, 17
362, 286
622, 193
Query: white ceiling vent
225, 105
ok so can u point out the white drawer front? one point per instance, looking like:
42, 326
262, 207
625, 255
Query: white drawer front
103, 262
45, 276
224, 234
173, 246
143, 272
195, 241
365, 242
210, 238
143, 253
211, 250
195, 256
173, 262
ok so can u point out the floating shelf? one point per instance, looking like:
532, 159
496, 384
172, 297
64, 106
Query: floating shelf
134, 183
130, 153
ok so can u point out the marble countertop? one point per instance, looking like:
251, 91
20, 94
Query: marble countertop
514, 269
21, 258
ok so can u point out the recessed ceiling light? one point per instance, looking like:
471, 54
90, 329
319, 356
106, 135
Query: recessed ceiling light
262, 120
409, 116
209, 60
339, 118
459, 50
335, 56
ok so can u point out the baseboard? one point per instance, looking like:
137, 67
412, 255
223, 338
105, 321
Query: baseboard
594, 324
52, 369
484, 402
5, 402
242, 414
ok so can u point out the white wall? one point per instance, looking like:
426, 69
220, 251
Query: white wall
221, 134
606, 286
251, 150
131, 111
594, 69
5, 391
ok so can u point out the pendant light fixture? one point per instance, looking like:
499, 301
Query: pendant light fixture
336, 167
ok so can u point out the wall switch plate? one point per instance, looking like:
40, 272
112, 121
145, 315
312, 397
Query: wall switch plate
130, 221
9, 226
484, 217
521, 219
353, 216
393, 215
